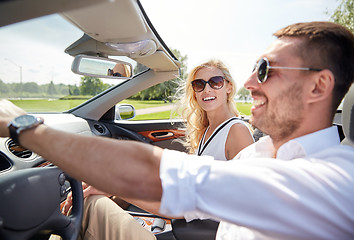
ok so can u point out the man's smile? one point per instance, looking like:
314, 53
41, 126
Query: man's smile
257, 104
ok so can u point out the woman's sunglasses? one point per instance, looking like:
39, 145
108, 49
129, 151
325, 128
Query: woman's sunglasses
215, 82
262, 67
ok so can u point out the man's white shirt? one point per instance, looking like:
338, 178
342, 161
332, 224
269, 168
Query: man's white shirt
306, 192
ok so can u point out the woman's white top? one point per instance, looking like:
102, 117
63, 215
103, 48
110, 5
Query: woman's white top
214, 146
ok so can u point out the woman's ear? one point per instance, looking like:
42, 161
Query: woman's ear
228, 87
322, 85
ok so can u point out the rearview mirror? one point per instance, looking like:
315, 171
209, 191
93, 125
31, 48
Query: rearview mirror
101, 67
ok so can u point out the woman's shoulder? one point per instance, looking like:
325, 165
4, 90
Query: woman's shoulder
240, 129
235, 120
236, 123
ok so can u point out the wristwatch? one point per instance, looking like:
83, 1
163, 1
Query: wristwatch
22, 123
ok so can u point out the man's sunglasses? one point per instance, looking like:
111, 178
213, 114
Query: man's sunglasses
262, 67
215, 82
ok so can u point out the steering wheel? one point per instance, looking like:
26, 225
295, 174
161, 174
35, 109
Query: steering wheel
30, 204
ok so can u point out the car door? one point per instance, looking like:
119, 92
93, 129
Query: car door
163, 133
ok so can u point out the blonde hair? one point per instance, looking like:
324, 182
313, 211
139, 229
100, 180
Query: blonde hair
194, 116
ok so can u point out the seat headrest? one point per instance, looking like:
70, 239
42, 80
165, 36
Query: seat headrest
348, 117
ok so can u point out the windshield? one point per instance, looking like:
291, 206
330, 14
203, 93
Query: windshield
35, 72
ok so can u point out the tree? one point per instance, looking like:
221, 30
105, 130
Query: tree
74, 90
139, 68
91, 86
243, 94
51, 89
3, 87
163, 91
30, 87
183, 60
62, 89
344, 14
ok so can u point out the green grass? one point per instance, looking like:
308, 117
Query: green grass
46, 105
145, 104
153, 116
56, 105
244, 108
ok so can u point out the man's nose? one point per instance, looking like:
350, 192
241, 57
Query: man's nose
252, 82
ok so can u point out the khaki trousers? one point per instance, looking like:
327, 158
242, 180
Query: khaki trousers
103, 219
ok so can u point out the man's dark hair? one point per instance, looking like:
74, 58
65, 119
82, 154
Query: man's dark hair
326, 45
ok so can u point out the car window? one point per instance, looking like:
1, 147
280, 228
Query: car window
35, 72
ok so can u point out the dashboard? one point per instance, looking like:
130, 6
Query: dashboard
14, 157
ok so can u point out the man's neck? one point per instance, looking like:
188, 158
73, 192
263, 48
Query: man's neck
278, 142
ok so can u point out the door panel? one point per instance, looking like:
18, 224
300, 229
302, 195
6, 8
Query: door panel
162, 133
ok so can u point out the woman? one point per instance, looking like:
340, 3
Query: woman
210, 113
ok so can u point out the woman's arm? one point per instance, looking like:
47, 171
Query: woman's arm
238, 138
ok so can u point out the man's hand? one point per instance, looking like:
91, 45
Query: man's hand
8, 111
87, 190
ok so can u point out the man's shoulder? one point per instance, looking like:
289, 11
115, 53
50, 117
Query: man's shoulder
339, 151
262, 148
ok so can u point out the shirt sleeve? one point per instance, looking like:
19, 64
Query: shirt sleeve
264, 194
180, 173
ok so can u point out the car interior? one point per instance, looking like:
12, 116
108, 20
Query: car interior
31, 188
348, 117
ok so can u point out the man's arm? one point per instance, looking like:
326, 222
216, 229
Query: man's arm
109, 165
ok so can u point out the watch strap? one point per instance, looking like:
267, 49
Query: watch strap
13, 134
15, 131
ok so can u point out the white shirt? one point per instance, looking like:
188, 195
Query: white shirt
215, 144
307, 192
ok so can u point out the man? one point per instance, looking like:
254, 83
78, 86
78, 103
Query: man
295, 184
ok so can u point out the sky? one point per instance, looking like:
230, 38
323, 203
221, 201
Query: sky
234, 31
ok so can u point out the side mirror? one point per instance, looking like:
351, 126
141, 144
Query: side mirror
101, 67
124, 112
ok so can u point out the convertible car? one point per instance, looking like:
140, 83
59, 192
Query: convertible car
101, 36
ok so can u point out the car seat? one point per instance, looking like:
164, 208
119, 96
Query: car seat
348, 117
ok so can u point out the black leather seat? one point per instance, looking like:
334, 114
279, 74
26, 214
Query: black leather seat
348, 117
194, 230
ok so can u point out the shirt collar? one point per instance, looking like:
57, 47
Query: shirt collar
309, 144
300, 147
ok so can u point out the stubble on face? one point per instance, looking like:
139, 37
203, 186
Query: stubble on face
283, 115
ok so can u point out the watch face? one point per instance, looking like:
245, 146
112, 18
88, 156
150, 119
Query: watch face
24, 120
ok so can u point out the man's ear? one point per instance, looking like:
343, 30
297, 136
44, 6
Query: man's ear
322, 85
